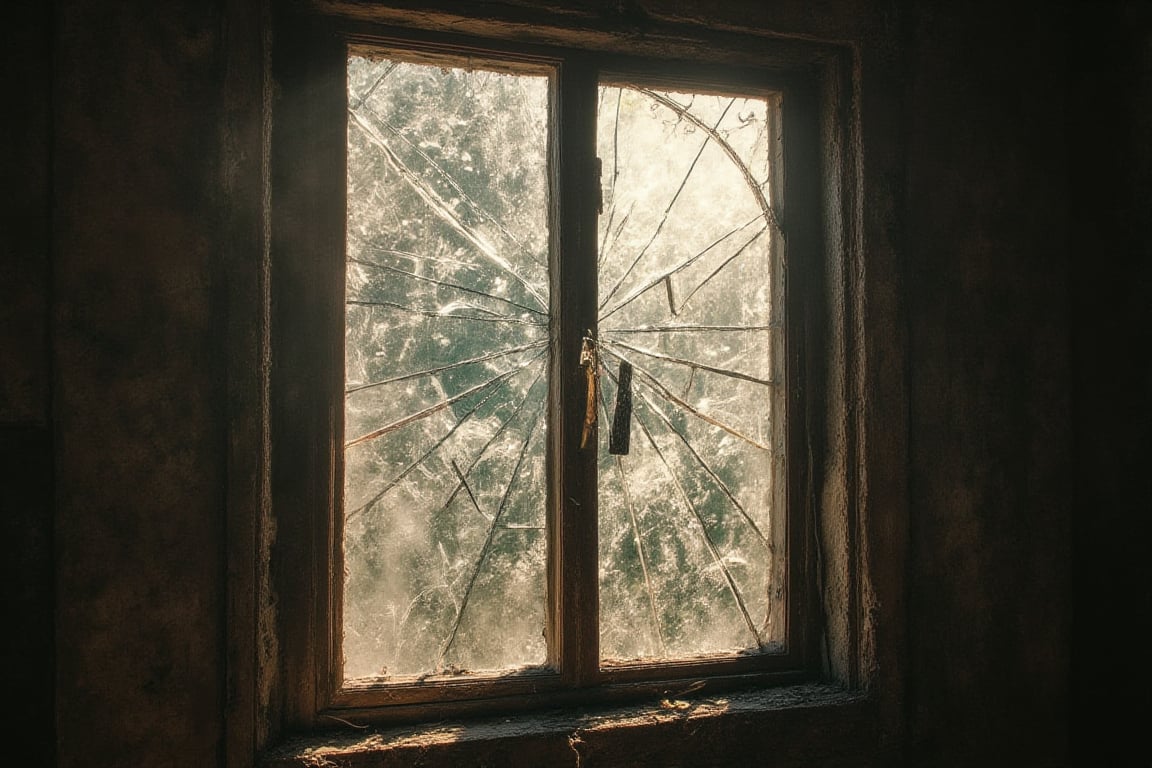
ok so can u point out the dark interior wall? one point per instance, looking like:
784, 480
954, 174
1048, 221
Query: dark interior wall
114, 408
1110, 163
987, 269
138, 367
26, 491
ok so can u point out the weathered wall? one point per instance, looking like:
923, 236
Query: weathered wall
25, 392
114, 403
1109, 158
989, 444
139, 399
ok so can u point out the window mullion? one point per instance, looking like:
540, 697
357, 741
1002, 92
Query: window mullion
572, 565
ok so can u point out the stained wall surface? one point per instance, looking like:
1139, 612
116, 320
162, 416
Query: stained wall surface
1110, 196
26, 491
138, 407
987, 275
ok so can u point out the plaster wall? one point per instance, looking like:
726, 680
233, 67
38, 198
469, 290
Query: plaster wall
1110, 162
987, 269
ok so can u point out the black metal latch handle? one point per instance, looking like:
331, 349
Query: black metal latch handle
619, 437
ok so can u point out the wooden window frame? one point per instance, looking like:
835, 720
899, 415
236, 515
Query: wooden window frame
307, 185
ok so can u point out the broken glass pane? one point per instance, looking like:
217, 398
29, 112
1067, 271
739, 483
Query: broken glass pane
691, 548
446, 338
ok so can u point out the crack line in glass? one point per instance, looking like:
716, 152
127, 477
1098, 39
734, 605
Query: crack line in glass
654, 383
449, 366
446, 284
455, 426
495, 317
689, 328
456, 186
440, 207
468, 489
488, 540
705, 466
435, 407
694, 365
685, 264
619, 465
685, 112
484, 448
709, 543
720, 268
667, 210
376, 85
417, 256
605, 246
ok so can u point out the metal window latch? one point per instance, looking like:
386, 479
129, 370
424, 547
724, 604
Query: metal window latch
589, 361
620, 436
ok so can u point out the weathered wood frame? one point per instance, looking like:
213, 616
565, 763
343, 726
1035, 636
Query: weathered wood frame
307, 220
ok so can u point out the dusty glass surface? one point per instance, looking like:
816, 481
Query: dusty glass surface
691, 553
445, 350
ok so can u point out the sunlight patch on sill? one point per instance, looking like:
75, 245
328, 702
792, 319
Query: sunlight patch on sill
801, 714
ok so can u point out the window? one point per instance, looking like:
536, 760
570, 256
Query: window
549, 338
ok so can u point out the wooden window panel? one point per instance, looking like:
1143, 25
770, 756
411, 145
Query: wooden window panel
572, 589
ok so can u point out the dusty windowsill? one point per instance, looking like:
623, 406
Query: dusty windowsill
790, 726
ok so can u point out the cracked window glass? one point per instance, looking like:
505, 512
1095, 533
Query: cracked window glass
446, 343
447, 333
690, 328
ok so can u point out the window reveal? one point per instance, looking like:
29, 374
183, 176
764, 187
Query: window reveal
447, 339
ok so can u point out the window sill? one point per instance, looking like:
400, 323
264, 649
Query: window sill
797, 725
